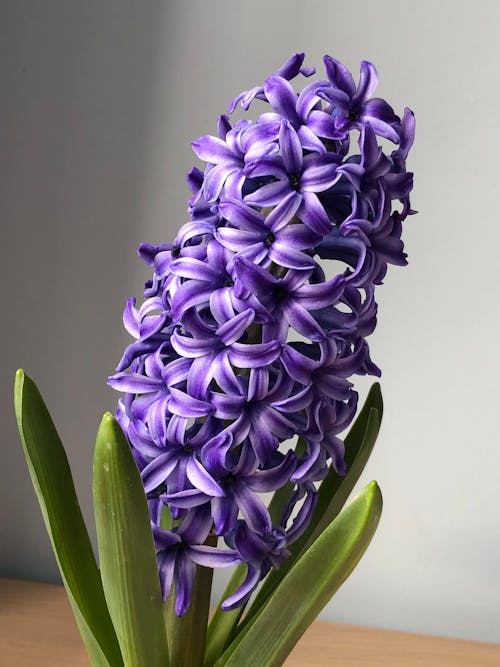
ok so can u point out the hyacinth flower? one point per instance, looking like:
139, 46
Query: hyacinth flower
229, 445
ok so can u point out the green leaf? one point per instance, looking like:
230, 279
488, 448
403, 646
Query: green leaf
126, 550
333, 491
309, 585
51, 476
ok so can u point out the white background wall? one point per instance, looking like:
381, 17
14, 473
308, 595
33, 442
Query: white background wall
100, 101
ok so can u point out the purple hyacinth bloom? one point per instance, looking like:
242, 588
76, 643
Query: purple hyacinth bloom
354, 107
240, 377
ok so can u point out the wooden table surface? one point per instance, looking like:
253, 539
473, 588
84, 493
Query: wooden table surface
37, 630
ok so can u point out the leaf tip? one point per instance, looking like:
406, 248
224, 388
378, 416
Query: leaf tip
374, 493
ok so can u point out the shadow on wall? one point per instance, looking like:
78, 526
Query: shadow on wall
77, 84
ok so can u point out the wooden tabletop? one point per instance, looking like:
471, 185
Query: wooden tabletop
37, 629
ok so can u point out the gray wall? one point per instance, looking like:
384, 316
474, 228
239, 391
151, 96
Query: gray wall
99, 103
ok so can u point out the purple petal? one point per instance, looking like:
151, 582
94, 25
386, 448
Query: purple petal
314, 215
214, 453
241, 215
200, 376
309, 141
221, 305
333, 386
336, 450
271, 479
130, 318
308, 99
255, 278
164, 539
176, 371
270, 194
272, 165
252, 508
382, 118
319, 295
191, 347
191, 293
135, 383
213, 557
237, 240
258, 384
284, 212
176, 429
276, 423
323, 125
304, 515
339, 76
157, 420
183, 405
187, 267
184, 574
291, 148
156, 473
304, 323
196, 526
290, 258
227, 406
224, 374
368, 80
202, 480
213, 150
291, 68
166, 565
215, 177
186, 499
253, 356
314, 450
299, 236
282, 98
320, 173
225, 514
244, 591
298, 365
296, 402
231, 331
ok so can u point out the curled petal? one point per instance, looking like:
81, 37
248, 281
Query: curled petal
282, 98
213, 557
202, 480
253, 356
244, 591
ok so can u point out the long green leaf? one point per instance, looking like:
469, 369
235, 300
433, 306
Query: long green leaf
51, 476
333, 491
126, 551
309, 585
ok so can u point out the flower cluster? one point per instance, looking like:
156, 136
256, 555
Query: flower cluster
237, 382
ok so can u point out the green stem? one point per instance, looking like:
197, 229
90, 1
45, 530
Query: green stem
187, 634
223, 623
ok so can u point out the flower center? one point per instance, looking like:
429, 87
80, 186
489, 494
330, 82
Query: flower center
269, 240
353, 115
294, 182
279, 293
